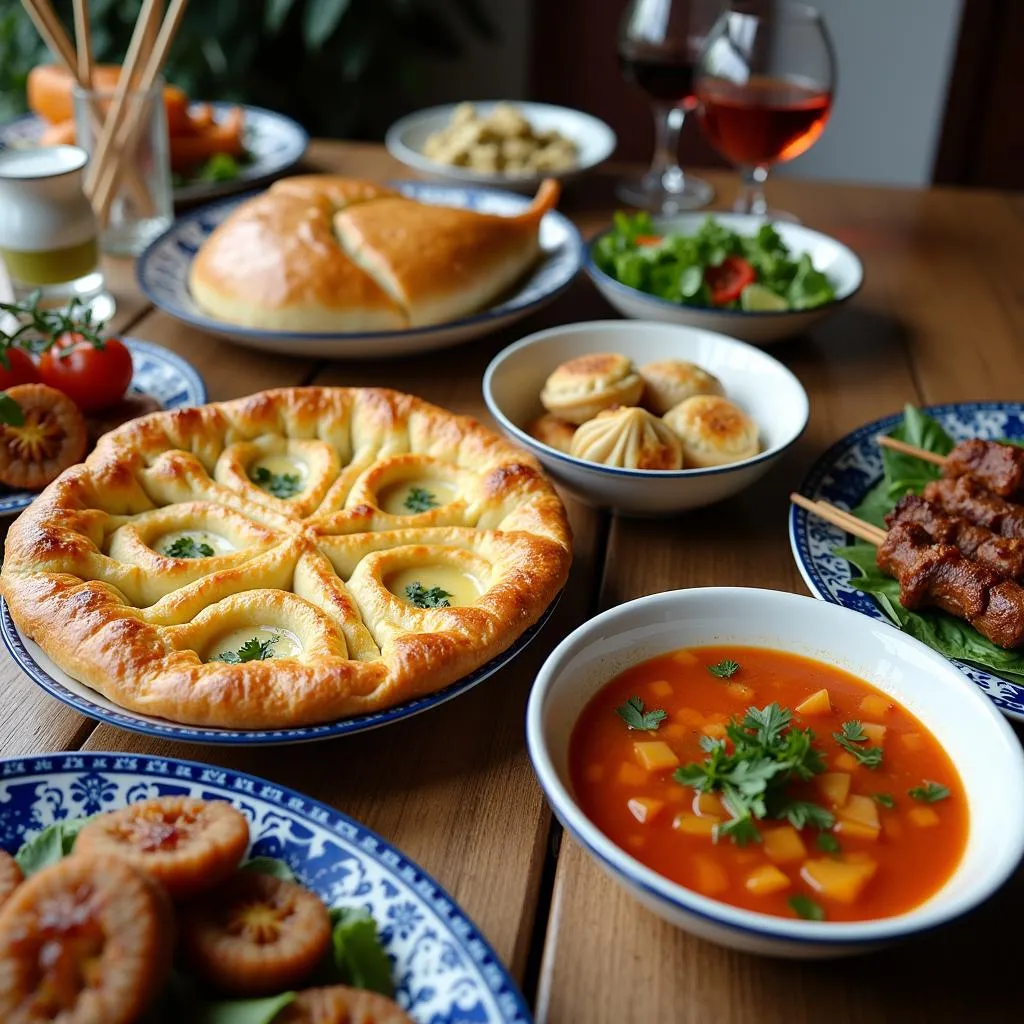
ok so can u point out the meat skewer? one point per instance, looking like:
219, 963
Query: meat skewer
936, 574
999, 467
967, 497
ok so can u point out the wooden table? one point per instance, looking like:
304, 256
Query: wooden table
940, 318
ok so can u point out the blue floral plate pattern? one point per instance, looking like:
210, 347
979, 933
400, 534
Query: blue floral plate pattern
444, 970
163, 271
158, 372
845, 473
275, 144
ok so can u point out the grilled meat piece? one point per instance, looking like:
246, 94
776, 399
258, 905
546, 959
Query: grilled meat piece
1004, 555
967, 497
941, 576
998, 467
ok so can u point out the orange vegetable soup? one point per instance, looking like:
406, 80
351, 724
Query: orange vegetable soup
772, 782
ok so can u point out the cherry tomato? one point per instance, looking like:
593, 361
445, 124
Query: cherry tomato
647, 239
728, 279
20, 369
91, 377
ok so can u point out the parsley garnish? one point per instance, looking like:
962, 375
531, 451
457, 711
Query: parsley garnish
419, 500
280, 485
634, 715
803, 906
828, 842
420, 597
852, 734
186, 547
251, 650
884, 800
929, 793
766, 754
725, 669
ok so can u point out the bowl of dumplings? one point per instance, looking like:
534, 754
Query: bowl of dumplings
645, 418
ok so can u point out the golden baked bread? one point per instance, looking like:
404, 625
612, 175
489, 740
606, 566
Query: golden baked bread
322, 253
553, 432
628, 438
671, 381
285, 559
581, 388
714, 431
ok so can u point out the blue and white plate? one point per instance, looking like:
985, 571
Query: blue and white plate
158, 373
444, 970
163, 270
275, 143
845, 473
31, 659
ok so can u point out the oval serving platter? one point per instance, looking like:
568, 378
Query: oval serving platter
845, 473
157, 372
444, 970
163, 269
42, 671
275, 144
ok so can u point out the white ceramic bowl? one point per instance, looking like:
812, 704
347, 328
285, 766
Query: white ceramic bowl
595, 143
759, 384
981, 745
835, 259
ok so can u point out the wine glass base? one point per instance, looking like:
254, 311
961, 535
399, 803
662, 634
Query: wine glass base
649, 193
771, 213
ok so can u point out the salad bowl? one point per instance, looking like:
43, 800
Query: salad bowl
759, 325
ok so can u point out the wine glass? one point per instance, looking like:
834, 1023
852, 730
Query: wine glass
659, 41
764, 87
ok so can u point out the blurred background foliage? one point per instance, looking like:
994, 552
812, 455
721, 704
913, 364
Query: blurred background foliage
342, 68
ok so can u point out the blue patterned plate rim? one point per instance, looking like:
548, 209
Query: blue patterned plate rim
573, 244
598, 275
315, 815
190, 390
1006, 695
15, 645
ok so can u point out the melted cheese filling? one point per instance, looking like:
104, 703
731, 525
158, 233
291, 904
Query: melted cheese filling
221, 545
460, 588
280, 466
411, 497
283, 642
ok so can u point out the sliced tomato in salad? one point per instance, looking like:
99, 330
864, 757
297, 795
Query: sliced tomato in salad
647, 239
728, 279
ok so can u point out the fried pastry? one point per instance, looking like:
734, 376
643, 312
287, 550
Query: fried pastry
714, 431
581, 388
629, 438
671, 381
286, 559
552, 431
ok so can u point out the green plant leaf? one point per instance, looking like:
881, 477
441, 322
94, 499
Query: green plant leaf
54, 842
245, 1011
359, 957
276, 14
10, 412
319, 20
273, 866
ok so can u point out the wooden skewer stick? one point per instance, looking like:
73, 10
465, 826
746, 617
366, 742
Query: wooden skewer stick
131, 128
838, 517
909, 449
83, 39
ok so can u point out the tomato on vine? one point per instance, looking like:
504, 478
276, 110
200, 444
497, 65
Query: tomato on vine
92, 375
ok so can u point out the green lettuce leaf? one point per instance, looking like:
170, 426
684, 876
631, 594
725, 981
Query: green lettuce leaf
270, 866
358, 956
54, 842
244, 1011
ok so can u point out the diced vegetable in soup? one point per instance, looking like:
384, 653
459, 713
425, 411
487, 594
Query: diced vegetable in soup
772, 782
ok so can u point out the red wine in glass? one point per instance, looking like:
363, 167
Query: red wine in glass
664, 76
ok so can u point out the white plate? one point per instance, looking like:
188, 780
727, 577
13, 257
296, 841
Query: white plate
595, 143
162, 272
276, 143
828, 255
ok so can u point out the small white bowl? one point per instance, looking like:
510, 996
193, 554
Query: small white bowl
977, 739
757, 383
595, 143
828, 255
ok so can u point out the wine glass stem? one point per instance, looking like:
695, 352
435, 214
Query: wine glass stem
752, 198
668, 123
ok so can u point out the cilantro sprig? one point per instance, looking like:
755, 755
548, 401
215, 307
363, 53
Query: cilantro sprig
724, 669
636, 716
929, 792
186, 547
280, 485
853, 734
752, 768
420, 500
803, 906
884, 800
420, 597
251, 650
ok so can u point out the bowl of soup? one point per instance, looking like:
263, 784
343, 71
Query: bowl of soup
776, 774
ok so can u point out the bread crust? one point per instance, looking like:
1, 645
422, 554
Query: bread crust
82, 580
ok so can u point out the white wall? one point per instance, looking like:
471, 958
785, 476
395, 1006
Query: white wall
894, 60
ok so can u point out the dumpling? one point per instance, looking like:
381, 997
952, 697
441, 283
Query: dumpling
630, 438
553, 432
672, 381
714, 432
581, 388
